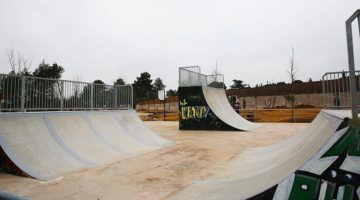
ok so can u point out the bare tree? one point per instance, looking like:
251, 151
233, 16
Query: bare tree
292, 68
11, 57
215, 73
270, 102
19, 64
292, 75
215, 79
76, 88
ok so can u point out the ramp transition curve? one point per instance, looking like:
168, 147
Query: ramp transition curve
207, 108
320, 162
50, 144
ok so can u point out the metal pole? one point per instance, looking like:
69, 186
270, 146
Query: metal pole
179, 77
115, 96
164, 104
358, 23
22, 104
62, 95
92, 97
132, 97
323, 86
350, 50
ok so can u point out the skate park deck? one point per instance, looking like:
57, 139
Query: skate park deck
159, 174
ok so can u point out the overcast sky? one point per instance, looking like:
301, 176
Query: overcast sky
250, 40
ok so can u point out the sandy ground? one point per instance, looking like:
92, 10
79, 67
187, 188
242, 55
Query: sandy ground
154, 175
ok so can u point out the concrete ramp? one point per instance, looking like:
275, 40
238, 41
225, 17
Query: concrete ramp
219, 104
207, 108
77, 134
107, 127
294, 169
27, 141
49, 145
132, 124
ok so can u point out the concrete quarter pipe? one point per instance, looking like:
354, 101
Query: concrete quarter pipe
50, 144
207, 108
320, 162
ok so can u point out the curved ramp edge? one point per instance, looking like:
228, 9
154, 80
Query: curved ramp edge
107, 127
48, 145
131, 122
219, 104
287, 167
75, 132
27, 142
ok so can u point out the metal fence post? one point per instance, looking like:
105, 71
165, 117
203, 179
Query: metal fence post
115, 96
223, 82
22, 97
62, 95
132, 97
323, 87
92, 97
351, 61
358, 23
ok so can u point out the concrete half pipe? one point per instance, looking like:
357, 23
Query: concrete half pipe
50, 144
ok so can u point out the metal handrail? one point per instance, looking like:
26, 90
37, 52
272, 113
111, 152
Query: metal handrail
206, 77
30, 93
336, 89
351, 60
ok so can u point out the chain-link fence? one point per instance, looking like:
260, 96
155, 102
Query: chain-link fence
27, 93
192, 76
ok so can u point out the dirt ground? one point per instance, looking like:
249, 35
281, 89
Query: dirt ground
154, 175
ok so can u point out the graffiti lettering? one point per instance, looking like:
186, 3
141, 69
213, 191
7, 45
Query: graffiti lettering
192, 112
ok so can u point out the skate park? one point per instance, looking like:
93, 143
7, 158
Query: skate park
236, 159
59, 143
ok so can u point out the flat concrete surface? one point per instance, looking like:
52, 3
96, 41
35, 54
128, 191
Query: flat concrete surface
197, 156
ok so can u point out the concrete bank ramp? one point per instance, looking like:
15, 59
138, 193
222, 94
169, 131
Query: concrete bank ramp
219, 104
269, 171
48, 145
27, 141
133, 124
107, 127
75, 132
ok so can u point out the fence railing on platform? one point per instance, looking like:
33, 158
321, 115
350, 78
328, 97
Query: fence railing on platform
192, 76
28, 93
336, 89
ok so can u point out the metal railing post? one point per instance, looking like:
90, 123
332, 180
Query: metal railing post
323, 87
223, 82
92, 97
61, 95
132, 97
22, 96
115, 96
351, 61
